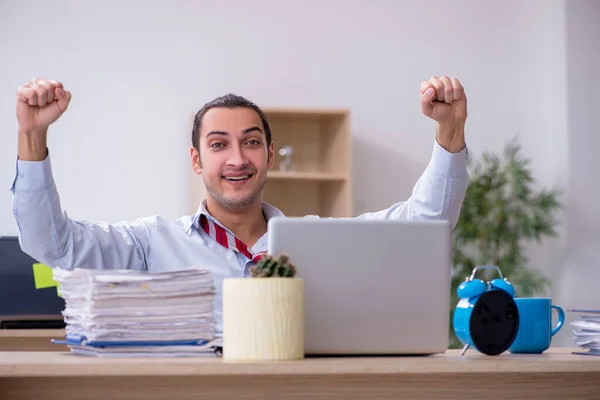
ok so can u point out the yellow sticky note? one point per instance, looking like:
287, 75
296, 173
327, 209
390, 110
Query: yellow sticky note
42, 275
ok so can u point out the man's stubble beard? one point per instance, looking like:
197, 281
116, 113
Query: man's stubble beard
235, 204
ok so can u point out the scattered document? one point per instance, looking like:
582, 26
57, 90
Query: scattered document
126, 313
586, 332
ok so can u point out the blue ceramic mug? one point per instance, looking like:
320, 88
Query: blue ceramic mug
535, 325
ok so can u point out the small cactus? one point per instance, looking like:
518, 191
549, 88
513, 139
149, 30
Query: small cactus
269, 266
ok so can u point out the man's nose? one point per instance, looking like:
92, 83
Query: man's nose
237, 157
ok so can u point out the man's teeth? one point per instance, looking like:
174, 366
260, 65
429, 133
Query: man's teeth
237, 178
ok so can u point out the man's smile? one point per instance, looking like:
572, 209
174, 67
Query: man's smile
237, 179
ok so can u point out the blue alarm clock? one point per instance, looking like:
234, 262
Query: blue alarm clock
486, 316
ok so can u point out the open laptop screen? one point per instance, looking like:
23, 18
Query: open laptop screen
20, 301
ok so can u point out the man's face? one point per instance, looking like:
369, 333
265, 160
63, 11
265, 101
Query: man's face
233, 158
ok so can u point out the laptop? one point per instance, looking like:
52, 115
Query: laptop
372, 287
22, 306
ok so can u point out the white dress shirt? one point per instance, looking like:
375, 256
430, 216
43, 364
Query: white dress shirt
155, 243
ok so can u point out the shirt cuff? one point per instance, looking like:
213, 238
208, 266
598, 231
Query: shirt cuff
32, 176
446, 164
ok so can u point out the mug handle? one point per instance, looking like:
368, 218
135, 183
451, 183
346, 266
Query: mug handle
561, 319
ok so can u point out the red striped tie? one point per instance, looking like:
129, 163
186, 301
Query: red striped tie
226, 238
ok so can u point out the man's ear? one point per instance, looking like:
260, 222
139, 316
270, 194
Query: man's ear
271, 156
196, 165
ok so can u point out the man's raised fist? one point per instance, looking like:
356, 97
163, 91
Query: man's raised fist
40, 102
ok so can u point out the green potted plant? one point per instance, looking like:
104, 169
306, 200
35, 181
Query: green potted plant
502, 212
263, 316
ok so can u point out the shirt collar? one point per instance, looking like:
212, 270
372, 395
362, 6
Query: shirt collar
269, 211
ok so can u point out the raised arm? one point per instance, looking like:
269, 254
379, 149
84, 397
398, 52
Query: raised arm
46, 233
440, 191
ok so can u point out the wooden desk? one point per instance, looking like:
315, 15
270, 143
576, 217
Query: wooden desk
556, 374
31, 340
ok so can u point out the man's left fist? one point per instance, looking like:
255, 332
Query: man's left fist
444, 100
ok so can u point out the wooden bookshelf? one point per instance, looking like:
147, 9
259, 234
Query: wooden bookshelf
321, 182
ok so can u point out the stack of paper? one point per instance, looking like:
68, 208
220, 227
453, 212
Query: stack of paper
587, 331
126, 312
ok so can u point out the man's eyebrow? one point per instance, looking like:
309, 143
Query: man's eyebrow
216, 133
252, 129
246, 131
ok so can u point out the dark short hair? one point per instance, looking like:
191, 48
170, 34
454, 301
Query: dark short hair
228, 101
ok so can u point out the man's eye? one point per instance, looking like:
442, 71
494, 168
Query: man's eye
215, 145
253, 141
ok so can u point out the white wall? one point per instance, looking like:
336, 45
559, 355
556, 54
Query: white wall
138, 71
578, 280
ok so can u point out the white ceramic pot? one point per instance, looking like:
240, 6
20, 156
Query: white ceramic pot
263, 319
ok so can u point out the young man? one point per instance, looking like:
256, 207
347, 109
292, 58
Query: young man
232, 152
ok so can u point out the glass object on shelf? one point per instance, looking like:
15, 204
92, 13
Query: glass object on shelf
286, 164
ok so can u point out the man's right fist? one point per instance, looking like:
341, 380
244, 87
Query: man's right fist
39, 103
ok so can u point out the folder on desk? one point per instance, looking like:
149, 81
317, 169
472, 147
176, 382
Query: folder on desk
135, 313
155, 348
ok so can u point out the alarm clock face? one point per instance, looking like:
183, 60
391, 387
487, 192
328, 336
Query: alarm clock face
494, 322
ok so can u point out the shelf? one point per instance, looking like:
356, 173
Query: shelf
307, 176
283, 112
321, 182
